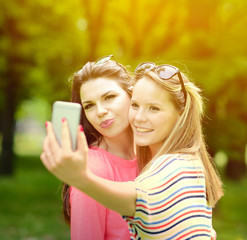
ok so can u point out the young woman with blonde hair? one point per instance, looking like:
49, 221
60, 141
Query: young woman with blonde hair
173, 196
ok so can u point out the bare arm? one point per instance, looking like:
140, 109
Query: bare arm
71, 167
118, 196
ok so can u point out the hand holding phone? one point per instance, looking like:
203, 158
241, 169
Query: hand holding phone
72, 113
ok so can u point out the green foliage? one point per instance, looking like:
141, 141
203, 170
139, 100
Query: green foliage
229, 218
31, 204
42, 43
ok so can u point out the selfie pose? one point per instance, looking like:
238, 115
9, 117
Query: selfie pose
173, 196
102, 89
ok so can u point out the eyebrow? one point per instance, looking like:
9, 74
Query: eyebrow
160, 105
149, 103
102, 96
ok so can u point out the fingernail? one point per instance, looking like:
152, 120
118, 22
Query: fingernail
46, 124
63, 119
81, 129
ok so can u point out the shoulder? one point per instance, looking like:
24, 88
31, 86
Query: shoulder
175, 161
171, 164
171, 173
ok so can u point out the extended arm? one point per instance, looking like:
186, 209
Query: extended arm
118, 196
71, 167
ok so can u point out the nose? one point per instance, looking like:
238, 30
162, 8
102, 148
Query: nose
139, 116
101, 110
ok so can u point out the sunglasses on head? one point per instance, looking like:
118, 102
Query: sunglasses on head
164, 71
104, 60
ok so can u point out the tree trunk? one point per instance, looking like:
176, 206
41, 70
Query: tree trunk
7, 157
236, 168
8, 122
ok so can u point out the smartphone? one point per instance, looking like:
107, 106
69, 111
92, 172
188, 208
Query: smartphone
72, 113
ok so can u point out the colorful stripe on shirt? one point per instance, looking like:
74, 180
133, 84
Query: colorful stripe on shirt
171, 201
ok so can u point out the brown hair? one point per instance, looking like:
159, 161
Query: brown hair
186, 136
91, 70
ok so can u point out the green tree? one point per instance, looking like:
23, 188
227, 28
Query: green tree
36, 53
43, 42
218, 42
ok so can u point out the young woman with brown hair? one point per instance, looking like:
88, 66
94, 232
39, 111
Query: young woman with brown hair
102, 88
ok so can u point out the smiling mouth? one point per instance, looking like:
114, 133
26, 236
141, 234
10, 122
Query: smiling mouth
143, 130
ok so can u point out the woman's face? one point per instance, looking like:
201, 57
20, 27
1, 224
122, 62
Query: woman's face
152, 114
106, 106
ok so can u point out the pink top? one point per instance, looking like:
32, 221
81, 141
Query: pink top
89, 219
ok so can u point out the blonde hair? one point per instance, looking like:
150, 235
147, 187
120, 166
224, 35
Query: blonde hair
186, 136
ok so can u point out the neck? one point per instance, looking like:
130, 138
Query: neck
121, 145
153, 150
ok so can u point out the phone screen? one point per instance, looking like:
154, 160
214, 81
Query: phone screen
72, 113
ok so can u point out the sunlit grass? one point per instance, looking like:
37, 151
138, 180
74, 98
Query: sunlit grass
230, 216
30, 204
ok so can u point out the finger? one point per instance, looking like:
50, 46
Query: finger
52, 140
82, 145
46, 147
48, 127
45, 161
48, 159
49, 165
47, 150
65, 137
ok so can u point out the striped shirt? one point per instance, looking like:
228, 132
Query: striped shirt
171, 201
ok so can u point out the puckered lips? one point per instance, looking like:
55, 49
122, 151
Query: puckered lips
107, 123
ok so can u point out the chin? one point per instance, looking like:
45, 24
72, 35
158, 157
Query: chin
141, 143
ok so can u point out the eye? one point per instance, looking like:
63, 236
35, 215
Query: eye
154, 108
88, 106
110, 97
134, 105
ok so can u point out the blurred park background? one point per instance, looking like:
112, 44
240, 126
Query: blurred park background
42, 42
